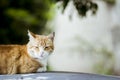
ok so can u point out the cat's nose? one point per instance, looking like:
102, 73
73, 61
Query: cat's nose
42, 54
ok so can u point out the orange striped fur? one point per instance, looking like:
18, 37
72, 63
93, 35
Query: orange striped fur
28, 58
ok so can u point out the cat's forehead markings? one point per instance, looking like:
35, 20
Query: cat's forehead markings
49, 42
43, 40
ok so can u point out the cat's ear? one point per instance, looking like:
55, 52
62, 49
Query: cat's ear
51, 36
31, 35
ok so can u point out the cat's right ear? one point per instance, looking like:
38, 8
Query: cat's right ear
51, 36
31, 35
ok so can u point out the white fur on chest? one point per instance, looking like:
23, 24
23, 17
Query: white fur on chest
44, 64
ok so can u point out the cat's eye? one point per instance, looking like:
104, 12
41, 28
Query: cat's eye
47, 47
37, 47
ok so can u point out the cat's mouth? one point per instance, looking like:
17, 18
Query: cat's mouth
41, 57
36, 58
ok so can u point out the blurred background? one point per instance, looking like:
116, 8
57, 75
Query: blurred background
17, 16
87, 31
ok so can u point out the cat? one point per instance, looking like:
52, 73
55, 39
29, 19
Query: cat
29, 58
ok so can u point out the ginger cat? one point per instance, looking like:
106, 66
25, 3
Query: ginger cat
32, 57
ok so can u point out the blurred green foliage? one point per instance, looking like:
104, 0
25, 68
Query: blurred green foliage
112, 2
17, 16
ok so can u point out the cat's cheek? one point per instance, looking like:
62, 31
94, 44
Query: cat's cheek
32, 53
46, 54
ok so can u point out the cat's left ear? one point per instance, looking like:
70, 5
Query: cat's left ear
51, 36
31, 35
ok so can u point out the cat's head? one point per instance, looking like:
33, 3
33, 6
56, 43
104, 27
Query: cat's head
40, 46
